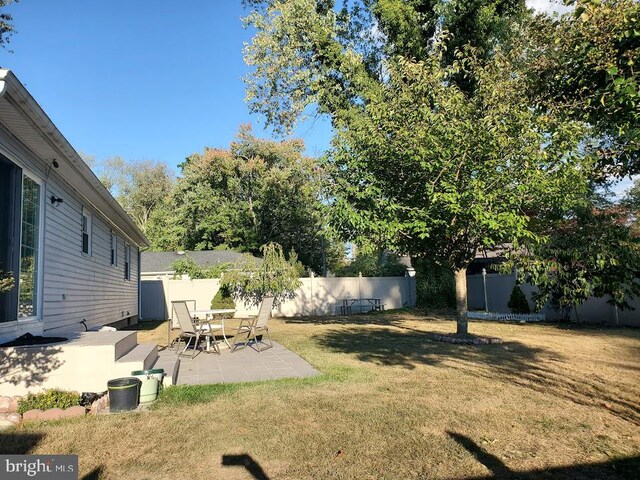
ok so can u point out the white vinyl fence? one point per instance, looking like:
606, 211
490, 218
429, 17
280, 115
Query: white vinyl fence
316, 296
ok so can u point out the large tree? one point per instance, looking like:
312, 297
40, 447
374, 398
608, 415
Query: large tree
256, 192
434, 172
140, 186
590, 252
437, 151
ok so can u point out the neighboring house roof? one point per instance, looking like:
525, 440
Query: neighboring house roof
25, 119
160, 262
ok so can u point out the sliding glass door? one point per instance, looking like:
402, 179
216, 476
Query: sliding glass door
20, 241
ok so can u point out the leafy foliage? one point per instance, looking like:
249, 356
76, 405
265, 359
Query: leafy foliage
186, 266
586, 63
6, 24
518, 301
435, 285
48, 399
631, 202
251, 281
591, 254
223, 299
372, 265
7, 281
308, 53
141, 187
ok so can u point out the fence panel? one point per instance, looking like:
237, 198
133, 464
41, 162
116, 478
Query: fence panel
316, 295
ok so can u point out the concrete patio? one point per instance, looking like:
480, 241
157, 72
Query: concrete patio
243, 365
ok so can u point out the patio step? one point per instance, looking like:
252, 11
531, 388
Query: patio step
84, 363
171, 365
141, 357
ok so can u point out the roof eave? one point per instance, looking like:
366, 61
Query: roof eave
40, 120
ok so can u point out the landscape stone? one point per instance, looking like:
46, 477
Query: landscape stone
14, 417
76, 411
31, 415
5, 404
52, 414
5, 424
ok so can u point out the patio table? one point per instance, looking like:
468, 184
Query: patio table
209, 314
373, 304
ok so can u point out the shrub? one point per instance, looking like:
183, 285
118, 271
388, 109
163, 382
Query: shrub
518, 301
276, 276
435, 285
48, 399
223, 299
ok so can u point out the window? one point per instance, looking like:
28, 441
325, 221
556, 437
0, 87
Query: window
114, 249
29, 249
86, 232
127, 262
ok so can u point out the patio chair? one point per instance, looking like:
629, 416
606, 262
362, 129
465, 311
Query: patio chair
251, 327
190, 331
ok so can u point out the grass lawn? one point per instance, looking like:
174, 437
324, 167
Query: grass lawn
550, 402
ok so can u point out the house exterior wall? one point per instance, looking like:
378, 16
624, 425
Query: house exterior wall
79, 286
72, 286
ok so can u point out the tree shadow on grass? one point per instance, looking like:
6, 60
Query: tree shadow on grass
515, 363
389, 319
614, 469
95, 474
19, 443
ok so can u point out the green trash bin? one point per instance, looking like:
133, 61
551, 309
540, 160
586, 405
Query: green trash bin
150, 385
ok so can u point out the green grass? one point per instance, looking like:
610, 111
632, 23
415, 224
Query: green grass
390, 403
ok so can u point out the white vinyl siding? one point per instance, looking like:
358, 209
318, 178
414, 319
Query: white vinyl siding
78, 286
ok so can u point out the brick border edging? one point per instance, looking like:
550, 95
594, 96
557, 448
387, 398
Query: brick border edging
53, 413
9, 410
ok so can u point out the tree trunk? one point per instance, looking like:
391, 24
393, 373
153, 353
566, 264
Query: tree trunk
461, 299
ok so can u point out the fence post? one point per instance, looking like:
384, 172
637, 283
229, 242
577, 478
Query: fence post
484, 289
360, 291
313, 302
410, 275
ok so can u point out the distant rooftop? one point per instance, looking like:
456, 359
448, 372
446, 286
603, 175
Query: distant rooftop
163, 261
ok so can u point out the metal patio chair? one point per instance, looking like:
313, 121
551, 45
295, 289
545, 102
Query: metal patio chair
251, 327
190, 331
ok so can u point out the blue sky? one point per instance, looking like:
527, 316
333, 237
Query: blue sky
144, 79
141, 79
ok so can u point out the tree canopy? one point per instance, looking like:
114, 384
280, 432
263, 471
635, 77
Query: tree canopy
589, 253
6, 24
141, 186
275, 276
586, 63
256, 192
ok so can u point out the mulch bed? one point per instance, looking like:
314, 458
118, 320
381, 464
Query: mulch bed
27, 339
465, 339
